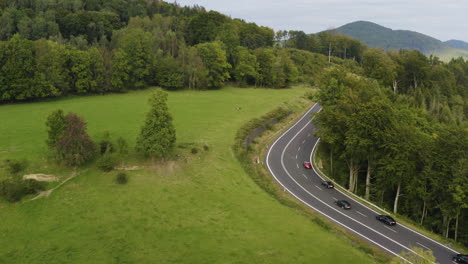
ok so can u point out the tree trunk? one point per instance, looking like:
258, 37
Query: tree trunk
329, 52
368, 178
423, 212
456, 227
415, 82
331, 163
395, 86
353, 170
448, 227
397, 196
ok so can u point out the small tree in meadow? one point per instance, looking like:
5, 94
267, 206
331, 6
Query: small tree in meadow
157, 136
75, 147
56, 125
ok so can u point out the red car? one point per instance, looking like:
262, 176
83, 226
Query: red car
307, 165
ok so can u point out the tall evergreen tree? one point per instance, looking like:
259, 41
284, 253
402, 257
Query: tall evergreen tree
158, 135
56, 125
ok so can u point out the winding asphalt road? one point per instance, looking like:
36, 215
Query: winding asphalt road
285, 162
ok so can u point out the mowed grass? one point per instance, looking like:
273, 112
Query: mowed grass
199, 209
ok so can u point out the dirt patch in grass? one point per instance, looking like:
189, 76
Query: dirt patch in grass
41, 177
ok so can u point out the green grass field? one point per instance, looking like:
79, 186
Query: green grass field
199, 209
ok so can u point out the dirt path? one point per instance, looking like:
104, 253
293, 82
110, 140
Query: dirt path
48, 192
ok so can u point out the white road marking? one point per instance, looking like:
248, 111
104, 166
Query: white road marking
318, 187
304, 176
390, 229
298, 149
361, 213
297, 197
423, 246
297, 165
296, 156
303, 141
335, 199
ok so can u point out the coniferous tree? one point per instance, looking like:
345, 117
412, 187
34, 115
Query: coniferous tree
56, 125
157, 136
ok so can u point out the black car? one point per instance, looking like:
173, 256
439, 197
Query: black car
328, 184
386, 219
343, 204
460, 258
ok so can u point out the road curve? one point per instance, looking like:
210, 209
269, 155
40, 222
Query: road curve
285, 162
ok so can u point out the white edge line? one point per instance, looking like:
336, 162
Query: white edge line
329, 217
352, 194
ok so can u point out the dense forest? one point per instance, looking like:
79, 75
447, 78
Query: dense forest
393, 123
397, 135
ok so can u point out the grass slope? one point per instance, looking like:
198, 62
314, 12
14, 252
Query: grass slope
201, 209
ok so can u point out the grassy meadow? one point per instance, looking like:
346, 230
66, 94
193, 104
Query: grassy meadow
198, 208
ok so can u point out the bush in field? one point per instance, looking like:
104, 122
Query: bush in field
106, 162
121, 178
13, 189
14, 167
122, 146
75, 147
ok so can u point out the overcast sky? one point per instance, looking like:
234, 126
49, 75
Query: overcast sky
442, 19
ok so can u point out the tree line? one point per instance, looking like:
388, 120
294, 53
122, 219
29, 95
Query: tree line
397, 134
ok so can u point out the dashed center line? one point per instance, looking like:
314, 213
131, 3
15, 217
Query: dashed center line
303, 141
335, 199
318, 187
296, 156
299, 149
304, 176
297, 165
361, 213
423, 246
390, 229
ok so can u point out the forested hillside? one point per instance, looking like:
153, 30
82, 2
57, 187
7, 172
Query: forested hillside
377, 36
458, 44
409, 156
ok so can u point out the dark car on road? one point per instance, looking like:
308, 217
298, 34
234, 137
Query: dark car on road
328, 184
460, 258
343, 204
386, 219
307, 165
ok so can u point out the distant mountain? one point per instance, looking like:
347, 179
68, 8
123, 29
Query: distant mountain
458, 44
377, 36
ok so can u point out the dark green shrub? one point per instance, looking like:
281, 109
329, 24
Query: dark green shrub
206, 148
15, 189
122, 146
106, 146
106, 162
15, 166
194, 150
121, 178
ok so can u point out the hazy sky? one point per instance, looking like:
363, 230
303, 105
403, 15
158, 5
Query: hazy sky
442, 19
